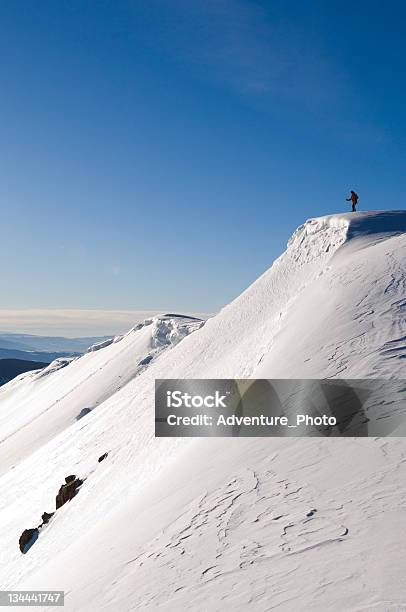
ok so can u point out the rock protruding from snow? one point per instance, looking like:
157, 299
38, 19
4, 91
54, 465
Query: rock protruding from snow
46, 517
68, 490
27, 539
84, 412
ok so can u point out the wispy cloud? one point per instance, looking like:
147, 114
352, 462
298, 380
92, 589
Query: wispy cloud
276, 62
238, 43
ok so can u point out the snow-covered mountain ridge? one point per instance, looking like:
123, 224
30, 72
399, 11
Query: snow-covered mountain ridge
322, 296
49, 400
221, 524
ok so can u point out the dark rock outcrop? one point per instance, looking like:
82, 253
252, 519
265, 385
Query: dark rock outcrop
27, 539
83, 413
102, 457
46, 517
68, 490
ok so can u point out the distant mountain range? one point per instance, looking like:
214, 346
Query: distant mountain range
10, 368
23, 352
50, 344
39, 356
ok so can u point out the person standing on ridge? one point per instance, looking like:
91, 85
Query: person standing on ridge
354, 199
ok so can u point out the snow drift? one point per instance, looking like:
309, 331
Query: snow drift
221, 524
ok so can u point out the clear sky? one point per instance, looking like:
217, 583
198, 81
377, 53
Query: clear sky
157, 154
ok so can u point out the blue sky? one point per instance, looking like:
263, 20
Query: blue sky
158, 154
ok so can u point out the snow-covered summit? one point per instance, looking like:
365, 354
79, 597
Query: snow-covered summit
221, 524
336, 295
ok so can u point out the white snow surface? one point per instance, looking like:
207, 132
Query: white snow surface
221, 524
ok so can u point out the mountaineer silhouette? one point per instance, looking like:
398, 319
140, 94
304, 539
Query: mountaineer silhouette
354, 199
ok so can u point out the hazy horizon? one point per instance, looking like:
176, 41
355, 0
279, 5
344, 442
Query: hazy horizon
75, 323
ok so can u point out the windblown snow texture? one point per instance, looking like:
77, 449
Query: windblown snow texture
221, 524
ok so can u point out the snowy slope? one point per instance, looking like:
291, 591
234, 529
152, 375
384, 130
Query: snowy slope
62, 394
222, 524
